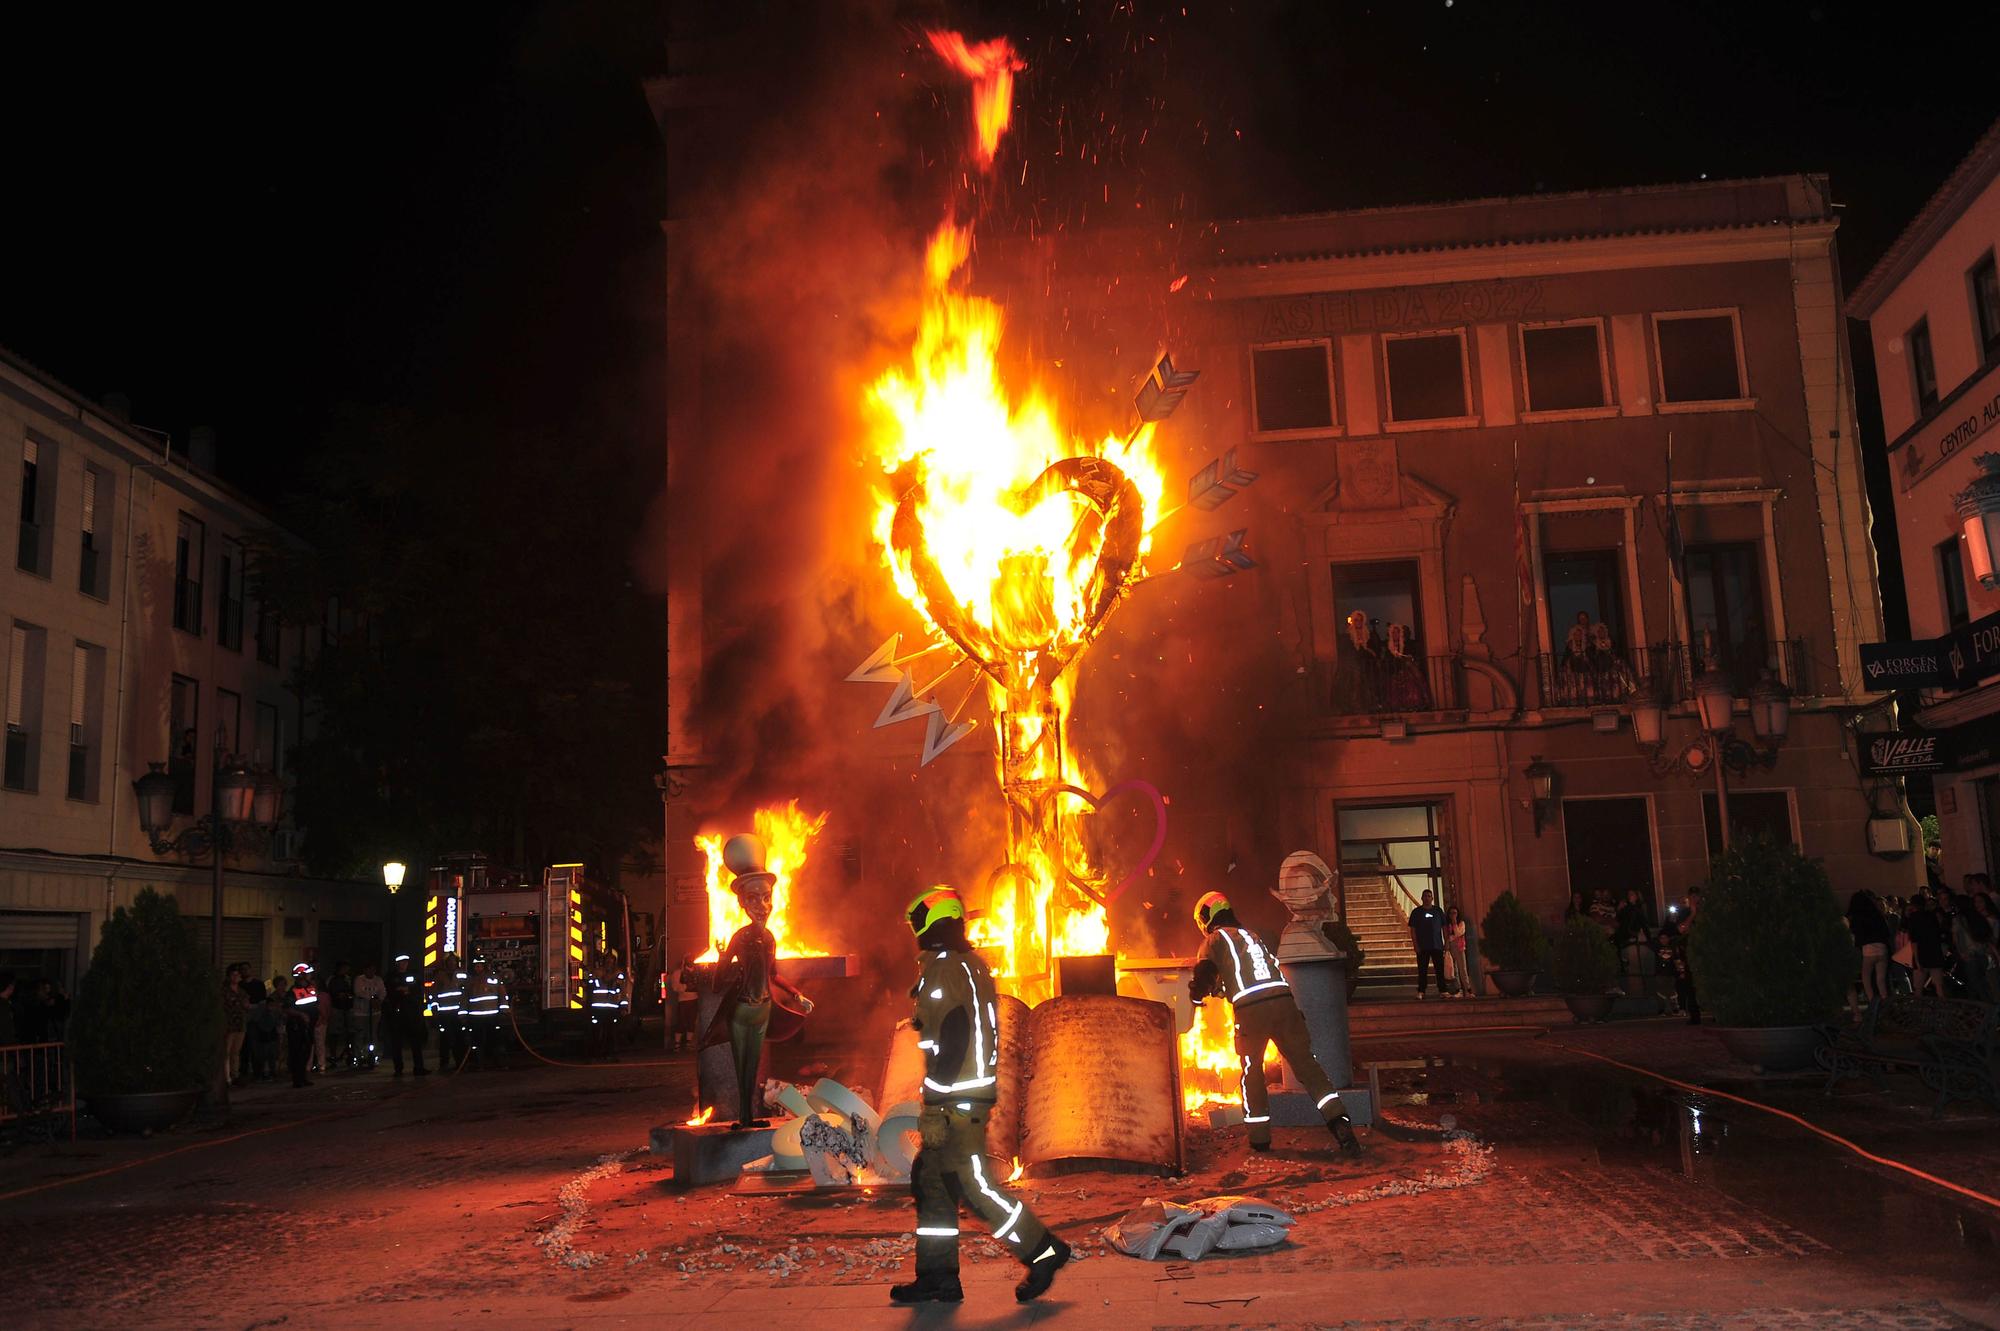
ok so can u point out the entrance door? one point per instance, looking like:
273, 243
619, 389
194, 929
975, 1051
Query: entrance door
1610, 846
1402, 845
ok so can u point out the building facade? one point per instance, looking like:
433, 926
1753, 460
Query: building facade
131, 640
1932, 305
1519, 462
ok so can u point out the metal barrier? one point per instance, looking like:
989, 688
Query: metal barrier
35, 1082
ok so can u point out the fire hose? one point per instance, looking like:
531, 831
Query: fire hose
558, 1063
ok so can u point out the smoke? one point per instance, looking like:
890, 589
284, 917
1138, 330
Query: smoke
800, 206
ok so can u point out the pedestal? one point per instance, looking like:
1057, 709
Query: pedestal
1320, 988
711, 1153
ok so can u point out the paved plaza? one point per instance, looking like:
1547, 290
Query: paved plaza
1527, 1183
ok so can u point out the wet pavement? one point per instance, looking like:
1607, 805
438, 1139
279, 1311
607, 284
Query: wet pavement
1584, 1197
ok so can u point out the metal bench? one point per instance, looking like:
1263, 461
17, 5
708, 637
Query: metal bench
1947, 1042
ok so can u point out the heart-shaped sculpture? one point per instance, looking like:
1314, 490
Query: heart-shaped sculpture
1121, 515
1094, 888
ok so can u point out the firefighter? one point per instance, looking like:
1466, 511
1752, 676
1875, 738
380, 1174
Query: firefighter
486, 1014
1235, 964
301, 1017
606, 1007
957, 1024
447, 1009
403, 1018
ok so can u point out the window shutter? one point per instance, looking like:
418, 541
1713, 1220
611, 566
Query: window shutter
31, 452
17, 674
89, 501
79, 674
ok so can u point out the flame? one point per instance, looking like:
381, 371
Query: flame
701, 1118
1211, 1070
991, 66
787, 834
1017, 556
1018, 1171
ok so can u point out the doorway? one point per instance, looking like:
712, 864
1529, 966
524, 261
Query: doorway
1401, 845
1609, 843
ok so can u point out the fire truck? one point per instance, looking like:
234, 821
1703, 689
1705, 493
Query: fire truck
555, 943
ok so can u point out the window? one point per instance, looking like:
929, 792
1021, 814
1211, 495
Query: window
26, 658
1923, 370
1700, 357
229, 716
1293, 388
1951, 582
267, 632
1985, 281
229, 596
86, 725
1427, 379
93, 570
1752, 813
1585, 588
1564, 366
182, 747
1380, 665
189, 553
38, 496
1725, 609
270, 740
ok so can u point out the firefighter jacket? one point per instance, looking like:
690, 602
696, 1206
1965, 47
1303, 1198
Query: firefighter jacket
606, 997
1235, 964
958, 1028
447, 990
485, 997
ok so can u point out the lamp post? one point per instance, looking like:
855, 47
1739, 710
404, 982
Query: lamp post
1717, 746
239, 801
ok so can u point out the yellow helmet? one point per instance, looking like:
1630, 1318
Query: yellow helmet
931, 905
1211, 905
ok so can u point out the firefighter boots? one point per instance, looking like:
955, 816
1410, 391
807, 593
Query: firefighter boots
1042, 1270
928, 1289
1342, 1129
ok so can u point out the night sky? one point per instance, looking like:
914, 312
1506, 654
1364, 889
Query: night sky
454, 209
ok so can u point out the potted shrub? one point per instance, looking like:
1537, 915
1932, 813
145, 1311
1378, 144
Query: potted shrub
1584, 968
1771, 954
1344, 938
1510, 939
146, 1027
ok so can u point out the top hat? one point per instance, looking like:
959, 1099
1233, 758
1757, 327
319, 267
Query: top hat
743, 854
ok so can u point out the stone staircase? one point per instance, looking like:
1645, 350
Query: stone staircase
1380, 919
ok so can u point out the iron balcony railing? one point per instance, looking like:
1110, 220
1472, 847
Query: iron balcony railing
1669, 670
1396, 685
35, 1082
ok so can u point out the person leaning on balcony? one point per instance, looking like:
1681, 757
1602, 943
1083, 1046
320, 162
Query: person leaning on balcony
1236, 965
1633, 933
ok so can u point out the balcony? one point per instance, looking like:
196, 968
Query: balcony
1397, 686
1606, 679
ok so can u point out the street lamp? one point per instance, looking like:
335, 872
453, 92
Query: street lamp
1542, 785
241, 803
392, 876
1717, 747
1715, 699
1979, 516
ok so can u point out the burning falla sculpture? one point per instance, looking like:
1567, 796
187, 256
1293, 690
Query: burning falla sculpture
1015, 540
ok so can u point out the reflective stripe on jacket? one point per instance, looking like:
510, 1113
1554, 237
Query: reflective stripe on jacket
1246, 970
958, 1028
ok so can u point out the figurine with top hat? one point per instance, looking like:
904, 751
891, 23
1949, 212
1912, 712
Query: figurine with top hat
747, 976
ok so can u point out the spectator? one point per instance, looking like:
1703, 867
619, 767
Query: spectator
301, 1023
403, 1025
339, 1037
680, 1005
253, 998
1927, 939
1633, 933
1604, 911
1972, 939
267, 1018
235, 1021
1871, 934
1427, 933
1454, 953
1578, 905
1674, 957
369, 992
